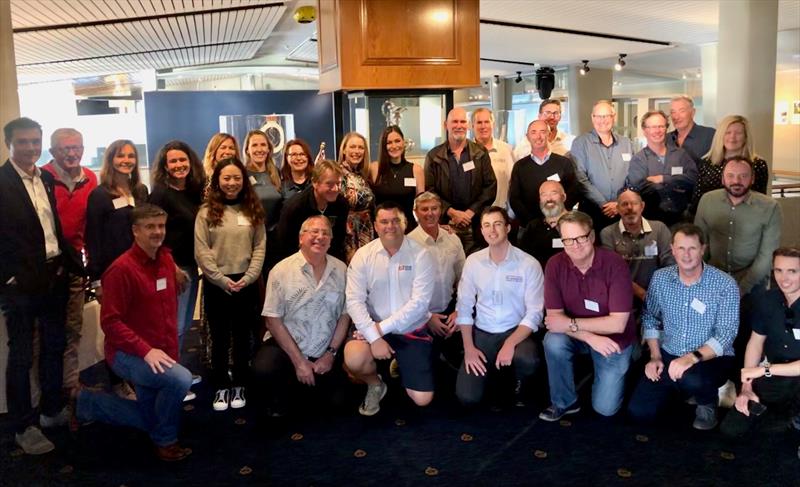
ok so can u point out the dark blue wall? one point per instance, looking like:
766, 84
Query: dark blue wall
193, 116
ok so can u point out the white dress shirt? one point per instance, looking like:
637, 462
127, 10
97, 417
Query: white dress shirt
502, 163
393, 290
508, 294
448, 254
38, 195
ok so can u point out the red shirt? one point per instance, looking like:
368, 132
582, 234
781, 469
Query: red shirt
140, 304
606, 286
71, 206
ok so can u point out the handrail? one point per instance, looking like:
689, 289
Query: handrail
782, 188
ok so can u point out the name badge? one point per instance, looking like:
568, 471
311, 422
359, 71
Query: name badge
404, 268
120, 202
410, 182
591, 305
557, 243
796, 332
698, 306
554, 177
468, 166
242, 221
626, 156
514, 278
677, 171
253, 180
651, 249
161, 284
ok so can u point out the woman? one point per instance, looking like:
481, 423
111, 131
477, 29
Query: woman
229, 248
393, 177
221, 146
297, 167
732, 138
353, 159
178, 182
266, 181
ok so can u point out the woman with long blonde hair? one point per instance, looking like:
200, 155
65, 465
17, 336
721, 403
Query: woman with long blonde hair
221, 146
354, 161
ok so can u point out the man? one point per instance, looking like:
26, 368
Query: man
503, 288
560, 142
664, 176
602, 158
743, 226
588, 301
35, 260
139, 319
460, 172
73, 184
690, 320
644, 244
322, 198
694, 139
771, 373
448, 256
534, 169
305, 314
389, 286
541, 238
482, 122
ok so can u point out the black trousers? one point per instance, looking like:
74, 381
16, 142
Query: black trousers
777, 393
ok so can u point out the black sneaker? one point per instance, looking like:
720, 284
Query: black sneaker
554, 413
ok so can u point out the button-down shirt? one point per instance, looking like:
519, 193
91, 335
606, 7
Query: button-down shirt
394, 290
504, 295
684, 318
448, 255
780, 323
560, 145
740, 238
309, 309
38, 195
502, 163
697, 142
601, 170
676, 167
645, 252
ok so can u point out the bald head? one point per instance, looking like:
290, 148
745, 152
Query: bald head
551, 199
456, 126
537, 135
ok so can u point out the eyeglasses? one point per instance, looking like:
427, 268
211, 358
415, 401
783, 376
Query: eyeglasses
66, 149
581, 239
603, 117
656, 127
297, 155
548, 113
319, 232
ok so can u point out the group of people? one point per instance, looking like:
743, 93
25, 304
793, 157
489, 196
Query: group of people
317, 272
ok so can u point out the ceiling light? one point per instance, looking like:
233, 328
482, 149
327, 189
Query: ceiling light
518, 79
683, 76
497, 80
699, 74
585, 68
620, 62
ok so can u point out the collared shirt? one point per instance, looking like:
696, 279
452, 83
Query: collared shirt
645, 252
460, 177
394, 290
540, 161
38, 195
772, 318
502, 163
684, 318
309, 309
601, 170
69, 181
560, 145
697, 142
740, 238
605, 288
504, 295
448, 254
140, 304
678, 170
541, 240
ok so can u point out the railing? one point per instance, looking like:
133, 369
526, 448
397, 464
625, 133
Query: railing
781, 190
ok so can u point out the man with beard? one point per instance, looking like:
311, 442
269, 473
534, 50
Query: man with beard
541, 238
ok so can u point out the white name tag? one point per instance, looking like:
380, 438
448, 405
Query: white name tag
161, 284
677, 171
796, 332
698, 306
253, 180
468, 166
651, 250
242, 221
626, 156
410, 182
120, 202
557, 243
514, 278
591, 305
554, 177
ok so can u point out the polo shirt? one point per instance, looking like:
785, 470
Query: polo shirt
72, 198
448, 256
541, 240
601, 170
780, 323
649, 250
606, 284
677, 168
697, 142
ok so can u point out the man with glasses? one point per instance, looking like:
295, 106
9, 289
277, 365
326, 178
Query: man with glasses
694, 139
588, 302
690, 320
72, 184
389, 286
304, 307
502, 287
322, 198
665, 176
560, 142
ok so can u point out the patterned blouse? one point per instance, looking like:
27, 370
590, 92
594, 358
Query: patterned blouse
361, 199
709, 178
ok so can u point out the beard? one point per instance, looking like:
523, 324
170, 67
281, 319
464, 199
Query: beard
737, 190
552, 209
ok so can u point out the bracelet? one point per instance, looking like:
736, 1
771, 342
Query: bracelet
331, 351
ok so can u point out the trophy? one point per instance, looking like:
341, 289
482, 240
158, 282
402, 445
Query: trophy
393, 114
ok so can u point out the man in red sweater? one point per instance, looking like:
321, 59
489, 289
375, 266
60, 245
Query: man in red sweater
73, 184
139, 318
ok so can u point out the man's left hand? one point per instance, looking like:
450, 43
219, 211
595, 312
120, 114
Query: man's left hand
324, 363
679, 366
557, 323
505, 356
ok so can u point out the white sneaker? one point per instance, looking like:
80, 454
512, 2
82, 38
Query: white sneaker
190, 396
372, 401
33, 442
238, 400
221, 399
196, 379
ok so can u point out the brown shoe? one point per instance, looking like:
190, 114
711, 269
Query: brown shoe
172, 453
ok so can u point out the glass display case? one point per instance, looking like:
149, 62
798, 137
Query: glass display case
278, 127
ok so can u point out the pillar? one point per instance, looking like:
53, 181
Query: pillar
9, 99
584, 91
708, 64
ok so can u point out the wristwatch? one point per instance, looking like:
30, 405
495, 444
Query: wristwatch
573, 325
331, 351
697, 355
767, 372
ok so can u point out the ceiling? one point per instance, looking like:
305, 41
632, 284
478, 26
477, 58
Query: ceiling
67, 39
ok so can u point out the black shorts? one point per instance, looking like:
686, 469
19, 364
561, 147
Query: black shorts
414, 354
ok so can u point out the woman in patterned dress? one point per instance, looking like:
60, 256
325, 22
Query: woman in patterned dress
354, 161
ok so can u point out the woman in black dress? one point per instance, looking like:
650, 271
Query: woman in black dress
393, 177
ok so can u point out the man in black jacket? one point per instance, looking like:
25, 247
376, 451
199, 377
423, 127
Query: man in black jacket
34, 261
460, 172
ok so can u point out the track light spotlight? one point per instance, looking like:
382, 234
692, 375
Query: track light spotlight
497, 80
585, 68
518, 79
620, 62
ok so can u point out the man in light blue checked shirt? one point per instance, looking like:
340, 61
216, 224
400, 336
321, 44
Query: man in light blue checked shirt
690, 320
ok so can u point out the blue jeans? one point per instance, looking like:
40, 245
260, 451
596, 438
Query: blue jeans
158, 405
609, 373
186, 303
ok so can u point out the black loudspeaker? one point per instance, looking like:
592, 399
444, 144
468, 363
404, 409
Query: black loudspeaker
161, 84
545, 82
